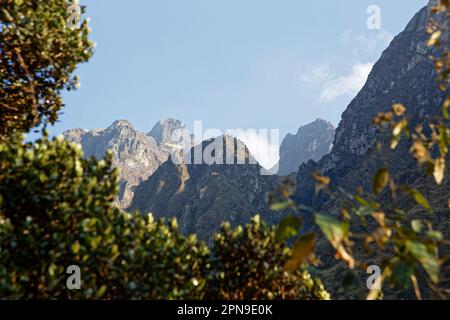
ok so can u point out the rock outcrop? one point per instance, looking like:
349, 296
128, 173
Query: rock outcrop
311, 142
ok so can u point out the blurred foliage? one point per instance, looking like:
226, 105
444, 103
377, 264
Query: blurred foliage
247, 263
56, 210
410, 244
38, 56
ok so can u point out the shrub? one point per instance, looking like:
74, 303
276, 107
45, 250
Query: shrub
247, 263
57, 211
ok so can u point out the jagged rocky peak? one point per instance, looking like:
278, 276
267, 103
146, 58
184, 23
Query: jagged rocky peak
169, 131
311, 142
122, 124
135, 153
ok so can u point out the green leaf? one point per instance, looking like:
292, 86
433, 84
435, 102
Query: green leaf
75, 247
416, 225
333, 229
435, 235
361, 201
52, 269
288, 228
380, 180
281, 205
350, 280
101, 292
418, 198
426, 258
401, 273
303, 248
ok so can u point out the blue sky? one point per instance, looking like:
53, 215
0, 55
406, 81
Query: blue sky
229, 63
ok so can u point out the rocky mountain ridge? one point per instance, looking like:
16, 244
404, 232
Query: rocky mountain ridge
137, 154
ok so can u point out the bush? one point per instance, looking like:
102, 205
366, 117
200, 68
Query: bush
247, 263
57, 211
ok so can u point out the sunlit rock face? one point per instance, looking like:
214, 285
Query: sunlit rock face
137, 154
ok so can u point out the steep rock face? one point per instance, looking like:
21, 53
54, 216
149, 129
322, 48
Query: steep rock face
404, 74
202, 196
311, 142
137, 155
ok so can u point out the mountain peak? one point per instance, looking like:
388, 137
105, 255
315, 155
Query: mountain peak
311, 142
225, 149
322, 121
318, 123
122, 124
169, 131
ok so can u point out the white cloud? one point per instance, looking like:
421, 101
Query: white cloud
346, 85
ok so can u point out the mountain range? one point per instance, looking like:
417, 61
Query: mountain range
209, 194
348, 155
203, 195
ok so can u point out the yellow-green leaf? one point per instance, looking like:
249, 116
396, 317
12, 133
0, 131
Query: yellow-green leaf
303, 248
334, 230
380, 180
281, 205
426, 258
417, 225
288, 228
101, 292
76, 247
418, 197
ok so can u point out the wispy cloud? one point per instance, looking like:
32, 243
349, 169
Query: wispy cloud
320, 73
348, 85
332, 86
